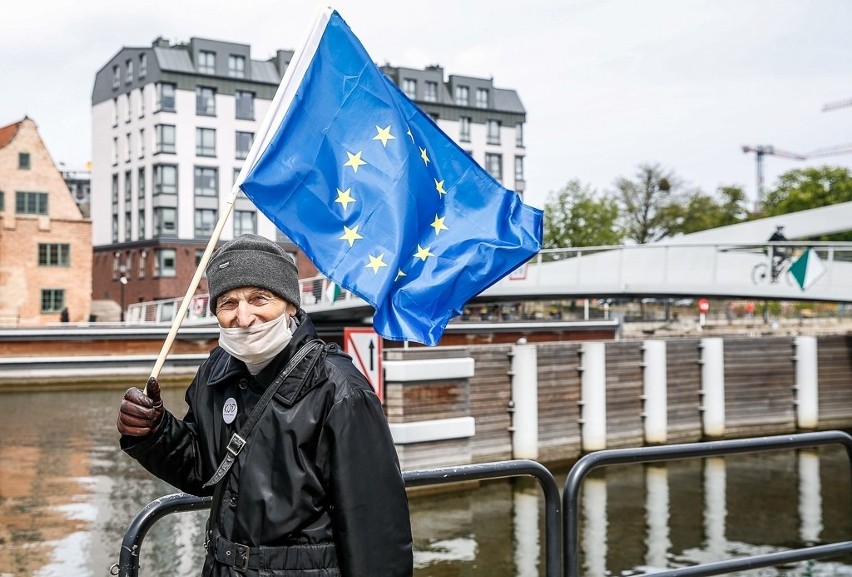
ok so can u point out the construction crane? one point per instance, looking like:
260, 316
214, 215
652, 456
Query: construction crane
759, 152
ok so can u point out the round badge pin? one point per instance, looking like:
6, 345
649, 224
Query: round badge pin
229, 411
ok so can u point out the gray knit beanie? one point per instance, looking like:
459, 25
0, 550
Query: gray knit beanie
252, 260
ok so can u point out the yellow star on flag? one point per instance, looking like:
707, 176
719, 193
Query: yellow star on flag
399, 274
351, 234
411, 135
422, 253
354, 160
438, 225
344, 197
439, 186
384, 135
424, 156
376, 263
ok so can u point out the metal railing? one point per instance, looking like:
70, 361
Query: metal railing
569, 556
131, 546
592, 461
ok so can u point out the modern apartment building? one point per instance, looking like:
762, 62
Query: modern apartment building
45, 241
172, 125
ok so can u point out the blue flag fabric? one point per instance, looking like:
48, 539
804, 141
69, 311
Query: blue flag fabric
382, 201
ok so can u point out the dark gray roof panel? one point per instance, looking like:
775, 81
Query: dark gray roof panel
265, 71
171, 60
507, 101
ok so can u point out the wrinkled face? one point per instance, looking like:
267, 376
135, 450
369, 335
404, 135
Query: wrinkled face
248, 306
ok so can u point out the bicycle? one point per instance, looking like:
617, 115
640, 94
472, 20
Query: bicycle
770, 272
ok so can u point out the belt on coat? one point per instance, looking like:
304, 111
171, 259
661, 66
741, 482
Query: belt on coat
242, 557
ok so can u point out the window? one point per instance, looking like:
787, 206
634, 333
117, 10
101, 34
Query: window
115, 227
244, 104
54, 255
126, 99
116, 76
464, 128
143, 65
140, 184
128, 145
205, 141
165, 221
52, 300
245, 222
115, 189
140, 223
519, 134
30, 202
236, 175
409, 86
236, 66
115, 111
128, 187
493, 132
519, 169
462, 95
141, 142
128, 72
165, 138
482, 98
114, 150
243, 144
494, 165
143, 261
127, 226
165, 263
141, 102
206, 62
24, 160
206, 181
430, 91
205, 221
205, 101
165, 179
166, 97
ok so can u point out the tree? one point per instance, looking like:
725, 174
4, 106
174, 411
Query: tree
574, 217
648, 206
703, 212
806, 188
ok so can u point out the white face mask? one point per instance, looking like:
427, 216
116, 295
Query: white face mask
257, 345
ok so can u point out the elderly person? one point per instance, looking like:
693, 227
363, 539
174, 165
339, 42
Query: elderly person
283, 431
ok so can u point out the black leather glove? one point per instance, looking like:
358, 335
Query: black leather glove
140, 414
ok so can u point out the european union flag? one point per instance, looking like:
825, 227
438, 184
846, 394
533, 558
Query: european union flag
383, 202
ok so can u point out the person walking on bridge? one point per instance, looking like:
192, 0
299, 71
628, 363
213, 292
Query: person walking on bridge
283, 431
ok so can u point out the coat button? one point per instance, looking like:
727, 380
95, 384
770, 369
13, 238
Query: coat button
243, 383
233, 499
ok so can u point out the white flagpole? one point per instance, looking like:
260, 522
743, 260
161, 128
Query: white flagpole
283, 95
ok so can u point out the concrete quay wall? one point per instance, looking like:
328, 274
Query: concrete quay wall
552, 402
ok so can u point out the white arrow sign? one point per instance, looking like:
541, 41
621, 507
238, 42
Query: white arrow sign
365, 348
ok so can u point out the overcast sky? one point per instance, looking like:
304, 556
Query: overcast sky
607, 84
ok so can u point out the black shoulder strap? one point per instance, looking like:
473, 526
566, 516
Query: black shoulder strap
239, 439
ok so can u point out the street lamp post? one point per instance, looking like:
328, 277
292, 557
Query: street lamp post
123, 282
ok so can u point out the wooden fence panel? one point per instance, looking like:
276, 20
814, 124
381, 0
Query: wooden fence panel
683, 377
624, 425
490, 393
759, 379
558, 401
834, 359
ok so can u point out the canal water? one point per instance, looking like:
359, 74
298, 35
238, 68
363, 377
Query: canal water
67, 495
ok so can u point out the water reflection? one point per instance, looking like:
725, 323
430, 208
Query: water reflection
67, 495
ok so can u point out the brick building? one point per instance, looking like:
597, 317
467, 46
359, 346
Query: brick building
45, 242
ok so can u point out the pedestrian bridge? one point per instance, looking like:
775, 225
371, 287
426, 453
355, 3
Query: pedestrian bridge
727, 262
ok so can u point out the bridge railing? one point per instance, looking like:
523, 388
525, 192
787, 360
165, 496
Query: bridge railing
707, 268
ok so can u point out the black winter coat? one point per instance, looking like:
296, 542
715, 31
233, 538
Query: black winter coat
318, 485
